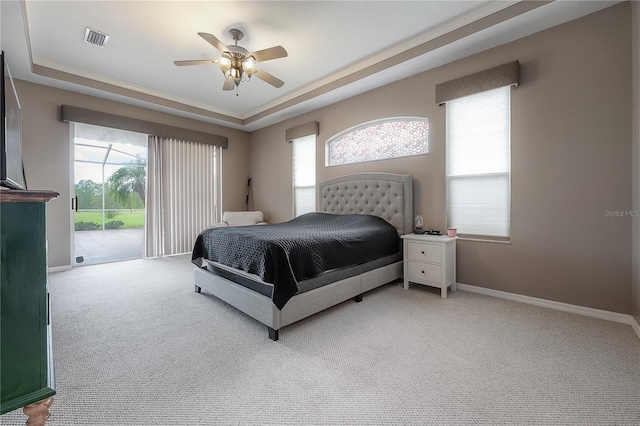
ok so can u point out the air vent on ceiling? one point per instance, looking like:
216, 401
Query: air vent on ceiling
95, 37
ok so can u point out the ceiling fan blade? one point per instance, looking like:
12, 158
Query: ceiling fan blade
195, 62
228, 84
265, 76
213, 40
270, 53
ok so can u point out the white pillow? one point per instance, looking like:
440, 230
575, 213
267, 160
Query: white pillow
242, 218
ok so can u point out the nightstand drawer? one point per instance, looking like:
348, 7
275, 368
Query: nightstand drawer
423, 272
424, 252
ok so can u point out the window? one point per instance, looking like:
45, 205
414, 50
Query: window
478, 135
304, 175
379, 140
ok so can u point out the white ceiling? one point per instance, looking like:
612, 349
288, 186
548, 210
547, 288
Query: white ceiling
335, 49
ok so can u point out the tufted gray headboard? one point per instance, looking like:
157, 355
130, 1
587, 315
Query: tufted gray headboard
386, 195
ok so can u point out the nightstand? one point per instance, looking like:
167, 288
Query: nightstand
430, 260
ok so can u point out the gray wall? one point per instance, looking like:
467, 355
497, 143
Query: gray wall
571, 162
47, 155
636, 160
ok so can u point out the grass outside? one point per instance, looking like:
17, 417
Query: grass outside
131, 218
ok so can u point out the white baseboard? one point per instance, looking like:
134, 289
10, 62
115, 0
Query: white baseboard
58, 268
635, 326
559, 306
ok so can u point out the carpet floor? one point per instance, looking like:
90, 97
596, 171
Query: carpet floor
135, 345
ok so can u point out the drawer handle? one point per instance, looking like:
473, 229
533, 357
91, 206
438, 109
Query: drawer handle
422, 272
422, 252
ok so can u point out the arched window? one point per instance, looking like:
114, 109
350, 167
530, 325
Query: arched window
379, 140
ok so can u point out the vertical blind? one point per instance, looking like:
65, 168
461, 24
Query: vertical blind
304, 175
478, 129
183, 194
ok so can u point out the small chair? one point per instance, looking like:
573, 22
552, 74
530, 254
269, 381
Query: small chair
242, 218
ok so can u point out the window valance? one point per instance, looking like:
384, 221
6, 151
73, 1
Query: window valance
307, 129
493, 78
87, 116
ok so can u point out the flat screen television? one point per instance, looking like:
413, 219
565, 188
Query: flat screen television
11, 171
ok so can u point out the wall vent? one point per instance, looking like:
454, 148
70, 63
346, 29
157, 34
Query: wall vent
95, 37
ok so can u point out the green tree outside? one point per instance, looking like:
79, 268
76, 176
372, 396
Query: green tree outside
89, 195
124, 189
127, 185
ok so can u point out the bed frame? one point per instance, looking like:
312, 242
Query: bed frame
386, 195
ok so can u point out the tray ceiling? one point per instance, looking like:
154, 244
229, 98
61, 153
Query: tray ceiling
335, 49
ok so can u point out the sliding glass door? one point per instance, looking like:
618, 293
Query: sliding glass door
110, 193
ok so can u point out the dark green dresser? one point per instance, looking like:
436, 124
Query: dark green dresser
26, 361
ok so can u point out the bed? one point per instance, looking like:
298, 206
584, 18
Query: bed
276, 295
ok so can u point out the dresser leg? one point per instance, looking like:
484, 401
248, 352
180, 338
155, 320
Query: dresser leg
38, 412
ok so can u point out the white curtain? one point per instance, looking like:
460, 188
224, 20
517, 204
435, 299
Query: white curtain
183, 194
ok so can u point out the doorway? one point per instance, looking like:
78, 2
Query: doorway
110, 169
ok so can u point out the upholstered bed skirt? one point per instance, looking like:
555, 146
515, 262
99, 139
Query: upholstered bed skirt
300, 306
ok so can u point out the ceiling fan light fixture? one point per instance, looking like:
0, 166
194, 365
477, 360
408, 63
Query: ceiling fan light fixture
235, 73
249, 66
224, 63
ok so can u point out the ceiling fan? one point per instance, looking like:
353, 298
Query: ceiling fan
236, 63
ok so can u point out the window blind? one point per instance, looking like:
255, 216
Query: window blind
184, 194
304, 175
478, 137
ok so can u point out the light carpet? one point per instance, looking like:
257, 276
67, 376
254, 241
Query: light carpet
135, 345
